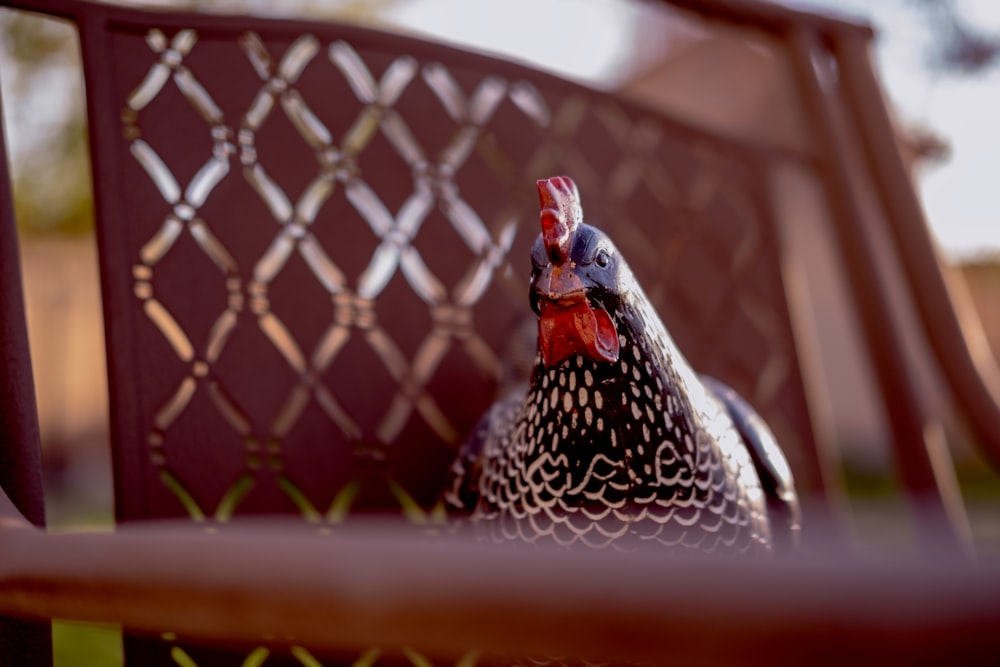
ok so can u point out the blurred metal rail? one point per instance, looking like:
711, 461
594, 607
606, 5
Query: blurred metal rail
383, 584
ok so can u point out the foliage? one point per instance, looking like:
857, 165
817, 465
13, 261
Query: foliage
86, 645
45, 124
959, 47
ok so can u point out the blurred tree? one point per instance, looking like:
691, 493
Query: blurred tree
958, 47
45, 122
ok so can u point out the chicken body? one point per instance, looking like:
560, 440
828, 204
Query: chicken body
615, 441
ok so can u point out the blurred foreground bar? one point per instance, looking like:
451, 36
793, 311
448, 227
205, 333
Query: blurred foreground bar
381, 584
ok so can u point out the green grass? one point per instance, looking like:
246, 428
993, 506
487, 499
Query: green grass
77, 644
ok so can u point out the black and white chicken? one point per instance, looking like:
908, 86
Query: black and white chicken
616, 440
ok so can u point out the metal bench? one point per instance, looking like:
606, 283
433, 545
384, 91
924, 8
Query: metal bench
313, 247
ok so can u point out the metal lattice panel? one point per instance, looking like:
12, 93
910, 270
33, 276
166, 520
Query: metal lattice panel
329, 248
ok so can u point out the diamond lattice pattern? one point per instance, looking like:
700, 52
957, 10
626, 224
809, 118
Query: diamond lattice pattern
329, 251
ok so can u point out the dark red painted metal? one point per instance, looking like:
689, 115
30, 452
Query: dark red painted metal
21, 642
974, 381
143, 371
116, 55
938, 518
381, 584
111, 36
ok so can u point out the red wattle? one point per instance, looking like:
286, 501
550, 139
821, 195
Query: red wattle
565, 331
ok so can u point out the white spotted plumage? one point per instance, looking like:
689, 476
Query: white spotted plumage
678, 476
611, 445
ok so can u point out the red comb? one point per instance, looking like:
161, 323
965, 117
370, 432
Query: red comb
561, 215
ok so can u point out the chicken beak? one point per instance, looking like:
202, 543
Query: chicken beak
559, 282
569, 324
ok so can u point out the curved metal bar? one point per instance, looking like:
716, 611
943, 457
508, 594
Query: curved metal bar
762, 15
976, 382
772, 17
383, 585
20, 448
940, 511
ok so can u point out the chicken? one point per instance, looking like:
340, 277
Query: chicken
616, 441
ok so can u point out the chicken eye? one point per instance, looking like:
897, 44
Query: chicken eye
538, 257
603, 258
